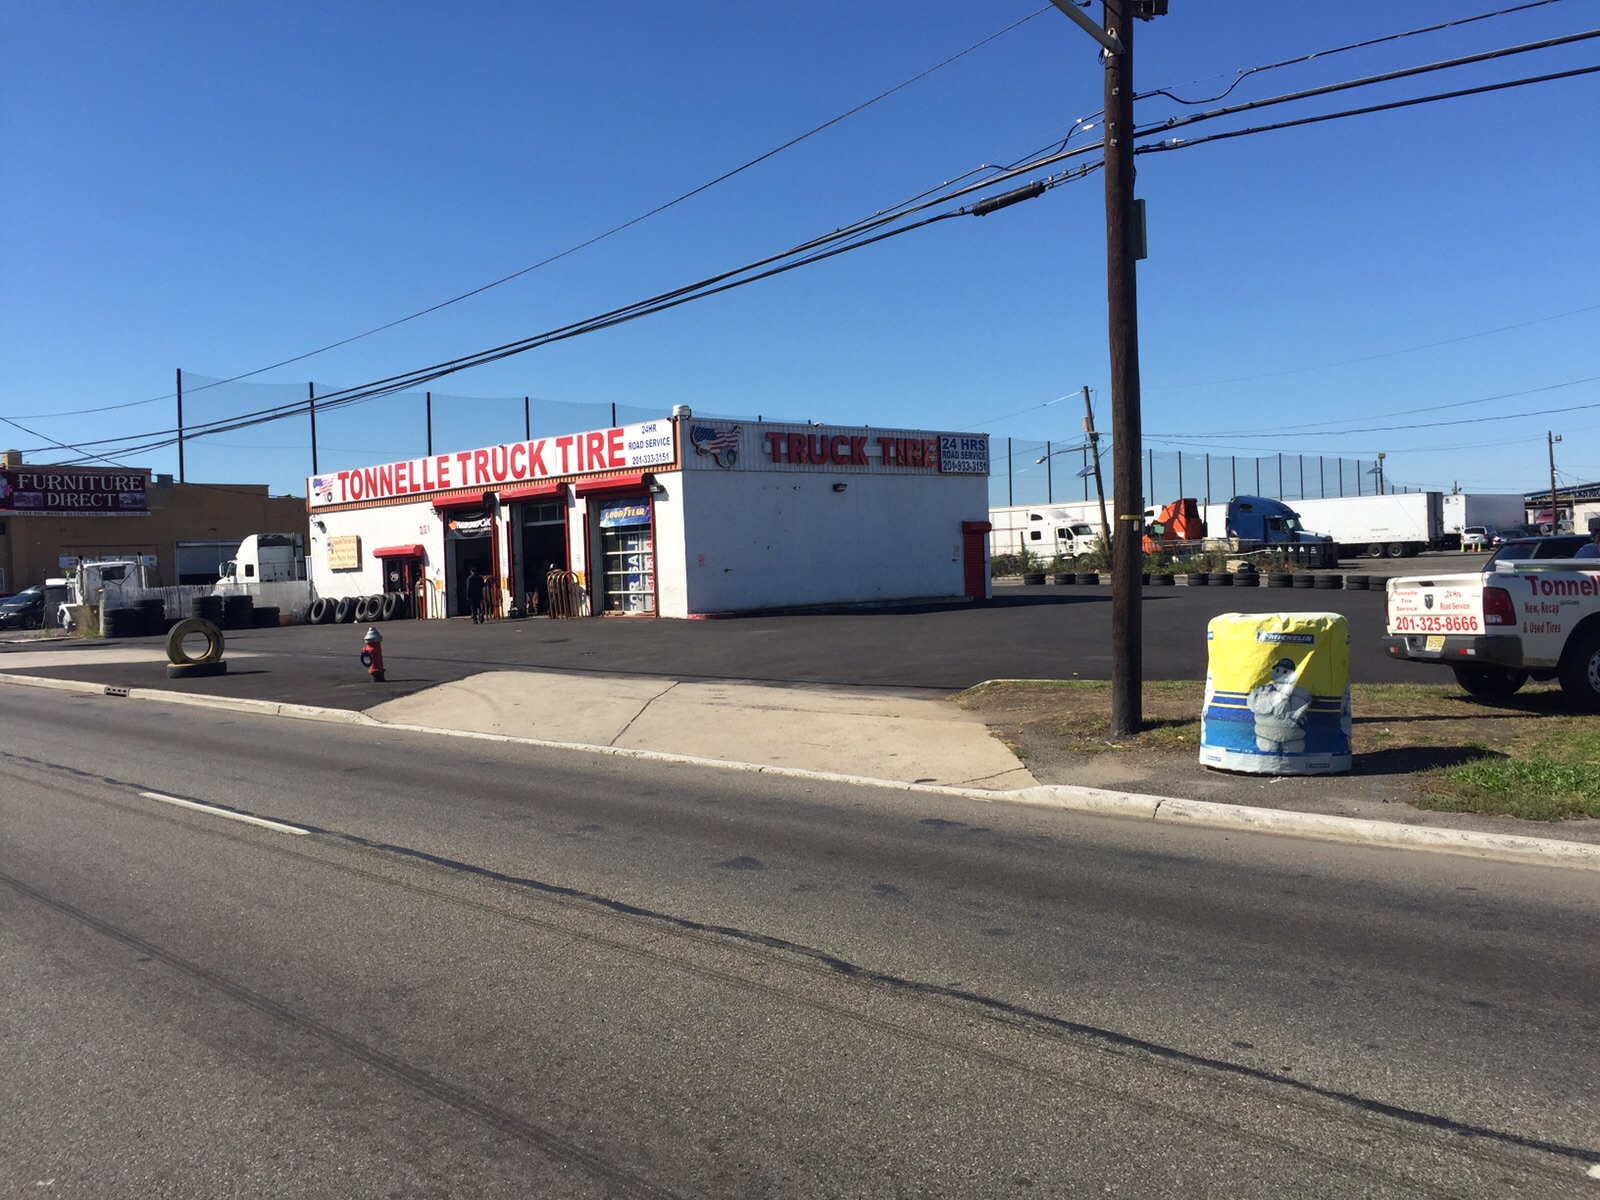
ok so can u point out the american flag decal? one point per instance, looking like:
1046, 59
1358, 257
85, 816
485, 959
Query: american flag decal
721, 444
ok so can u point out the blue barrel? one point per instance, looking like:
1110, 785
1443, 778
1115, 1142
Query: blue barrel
1277, 694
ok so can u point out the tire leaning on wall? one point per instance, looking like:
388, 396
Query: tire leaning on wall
181, 664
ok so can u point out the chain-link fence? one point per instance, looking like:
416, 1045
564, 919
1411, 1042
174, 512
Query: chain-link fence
281, 433
1030, 472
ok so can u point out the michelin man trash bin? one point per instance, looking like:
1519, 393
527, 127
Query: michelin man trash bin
1277, 694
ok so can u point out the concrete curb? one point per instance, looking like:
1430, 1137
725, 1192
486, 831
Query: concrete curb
1091, 801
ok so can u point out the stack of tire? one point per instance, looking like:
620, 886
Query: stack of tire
207, 608
152, 618
366, 609
265, 616
238, 612
120, 623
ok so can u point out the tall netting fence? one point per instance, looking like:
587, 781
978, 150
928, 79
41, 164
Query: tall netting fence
1032, 472
281, 433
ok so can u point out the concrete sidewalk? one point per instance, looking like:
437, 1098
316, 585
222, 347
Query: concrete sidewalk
848, 731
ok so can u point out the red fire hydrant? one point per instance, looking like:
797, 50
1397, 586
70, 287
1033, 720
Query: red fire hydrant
372, 654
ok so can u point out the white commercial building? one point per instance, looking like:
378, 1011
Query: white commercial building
680, 517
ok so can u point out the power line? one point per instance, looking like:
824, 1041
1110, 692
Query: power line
851, 237
584, 245
1187, 143
1466, 337
1377, 41
807, 253
1321, 426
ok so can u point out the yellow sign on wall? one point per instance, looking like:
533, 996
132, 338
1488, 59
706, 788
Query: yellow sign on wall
344, 553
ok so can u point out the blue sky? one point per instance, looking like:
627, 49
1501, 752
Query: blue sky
220, 187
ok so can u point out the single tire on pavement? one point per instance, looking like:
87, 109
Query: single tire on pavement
364, 610
375, 607
1491, 682
345, 611
198, 670
187, 628
318, 613
1580, 669
391, 606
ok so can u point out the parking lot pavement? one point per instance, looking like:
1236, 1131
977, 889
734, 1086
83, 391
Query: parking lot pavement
1024, 633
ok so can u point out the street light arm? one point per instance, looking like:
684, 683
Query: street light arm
1083, 21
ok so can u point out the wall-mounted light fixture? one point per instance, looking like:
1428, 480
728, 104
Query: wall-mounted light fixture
655, 486
839, 487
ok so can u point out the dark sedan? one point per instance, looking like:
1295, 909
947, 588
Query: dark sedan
25, 610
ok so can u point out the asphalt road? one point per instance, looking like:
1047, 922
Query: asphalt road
1025, 633
493, 971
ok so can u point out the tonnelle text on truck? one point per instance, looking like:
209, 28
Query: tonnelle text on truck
1498, 628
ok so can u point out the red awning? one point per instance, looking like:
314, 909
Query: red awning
398, 552
532, 491
630, 484
470, 500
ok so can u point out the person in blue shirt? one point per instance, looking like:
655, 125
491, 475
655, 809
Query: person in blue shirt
1592, 550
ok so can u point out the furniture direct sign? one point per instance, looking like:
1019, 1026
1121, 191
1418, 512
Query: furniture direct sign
54, 492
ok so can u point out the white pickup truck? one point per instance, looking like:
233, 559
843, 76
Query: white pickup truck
1520, 618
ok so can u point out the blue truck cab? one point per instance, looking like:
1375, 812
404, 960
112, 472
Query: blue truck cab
1272, 522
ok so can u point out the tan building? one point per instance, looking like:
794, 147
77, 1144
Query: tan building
50, 515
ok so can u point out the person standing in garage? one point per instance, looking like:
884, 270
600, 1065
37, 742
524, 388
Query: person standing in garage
475, 595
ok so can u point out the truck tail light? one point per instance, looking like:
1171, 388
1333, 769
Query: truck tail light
1497, 607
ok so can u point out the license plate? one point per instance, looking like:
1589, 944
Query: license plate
1434, 644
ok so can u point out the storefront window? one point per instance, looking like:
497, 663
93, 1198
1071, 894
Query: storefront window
628, 556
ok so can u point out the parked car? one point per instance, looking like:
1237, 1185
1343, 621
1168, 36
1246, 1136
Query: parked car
1522, 549
1477, 537
25, 610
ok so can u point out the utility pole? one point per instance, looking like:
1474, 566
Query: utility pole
1127, 624
180, 425
1124, 240
1550, 440
311, 402
1094, 451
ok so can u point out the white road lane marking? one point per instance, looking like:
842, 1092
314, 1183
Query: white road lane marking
222, 812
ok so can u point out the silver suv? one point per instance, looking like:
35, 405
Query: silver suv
1477, 537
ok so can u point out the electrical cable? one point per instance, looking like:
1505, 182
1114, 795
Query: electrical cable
840, 241
1305, 58
1319, 426
1346, 362
1368, 80
660, 208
